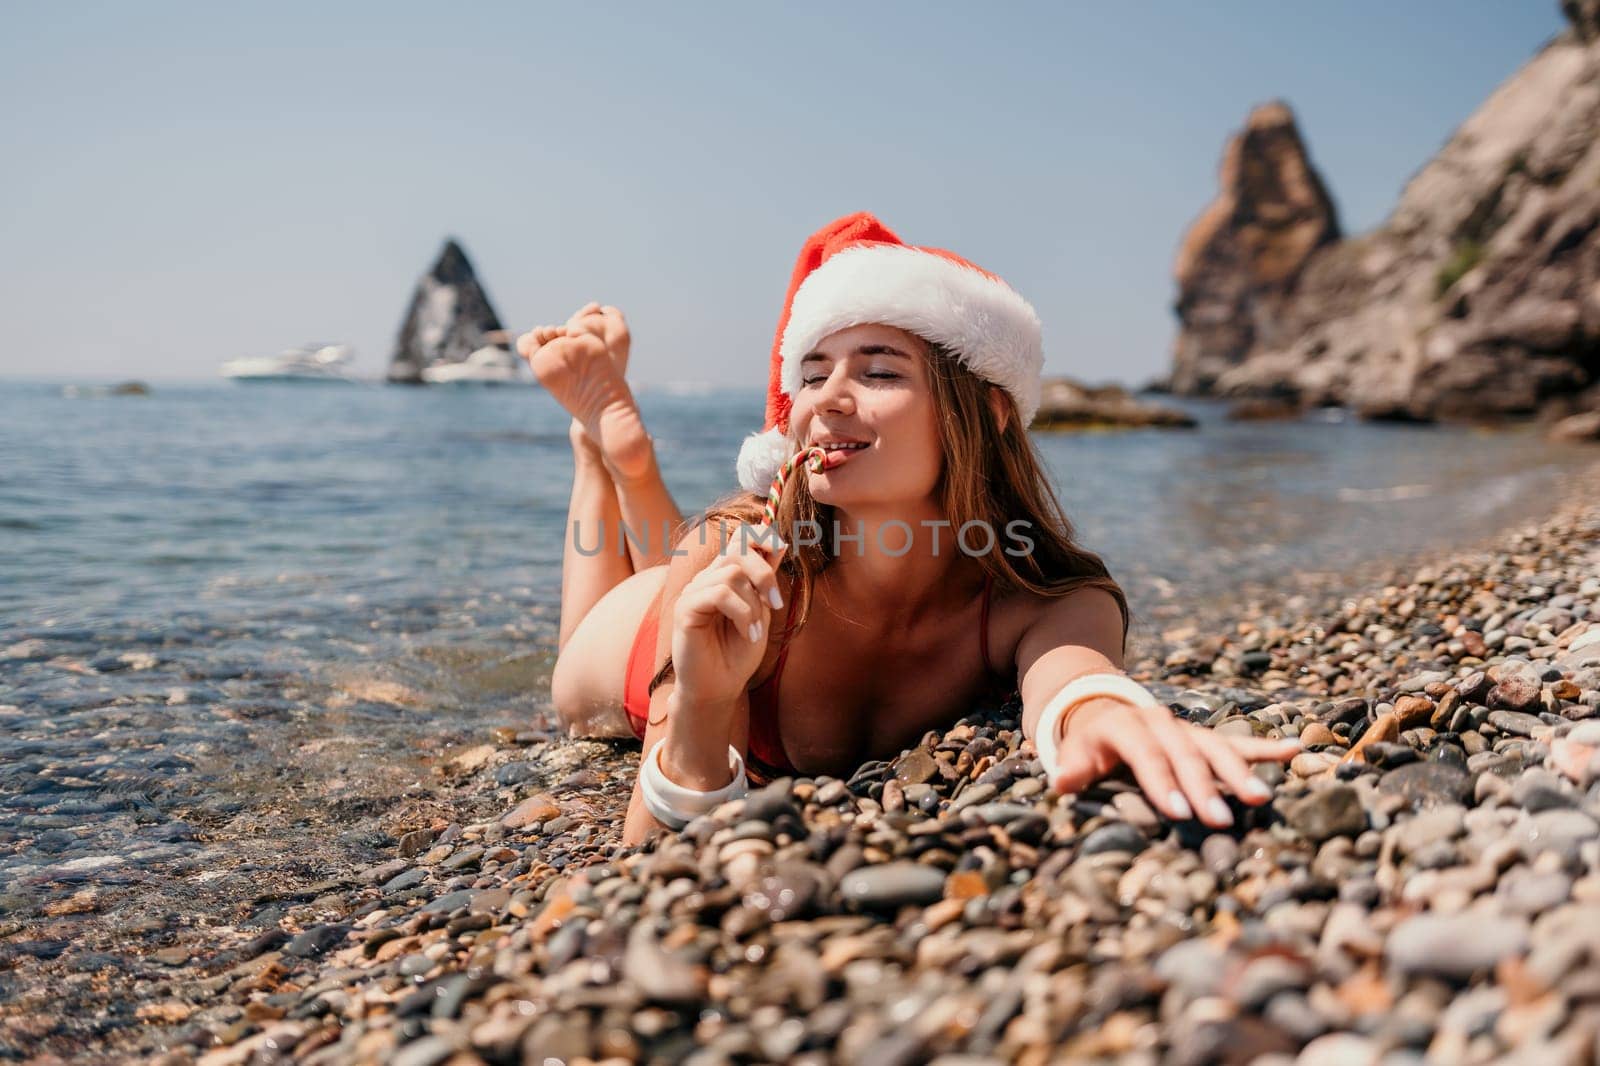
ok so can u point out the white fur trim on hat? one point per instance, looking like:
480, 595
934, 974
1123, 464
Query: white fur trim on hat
760, 457
993, 330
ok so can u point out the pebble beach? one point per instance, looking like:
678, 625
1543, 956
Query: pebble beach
1424, 887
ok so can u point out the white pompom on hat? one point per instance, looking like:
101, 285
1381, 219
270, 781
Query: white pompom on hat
853, 272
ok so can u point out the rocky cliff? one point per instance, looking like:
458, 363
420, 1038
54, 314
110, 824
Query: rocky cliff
1478, 297
1239, 262
450, 317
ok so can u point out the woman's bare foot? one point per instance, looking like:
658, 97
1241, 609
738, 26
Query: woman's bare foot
607, 323
577, 367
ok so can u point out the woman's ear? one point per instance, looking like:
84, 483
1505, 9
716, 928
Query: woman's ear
997, 404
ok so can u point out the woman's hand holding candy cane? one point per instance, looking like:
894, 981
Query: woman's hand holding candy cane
723, 617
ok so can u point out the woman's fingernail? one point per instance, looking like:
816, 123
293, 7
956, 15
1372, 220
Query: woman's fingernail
755, 632
1257, 788
1218, 809
775, 599
1180, 805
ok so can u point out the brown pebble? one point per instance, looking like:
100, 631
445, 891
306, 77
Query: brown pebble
1317, 734
1385, 730
965, 884
915, 767
1440, 719
558, 904
1312, 763
170, 1012
536, 808
1413, 711
395, 948
259, 1011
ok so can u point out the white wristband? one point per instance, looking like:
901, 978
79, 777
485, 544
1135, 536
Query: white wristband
673, 805
1089, 686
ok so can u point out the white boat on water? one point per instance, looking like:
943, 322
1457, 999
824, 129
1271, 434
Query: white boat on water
314, 362
489, 365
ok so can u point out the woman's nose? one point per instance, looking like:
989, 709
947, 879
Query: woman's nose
834, 394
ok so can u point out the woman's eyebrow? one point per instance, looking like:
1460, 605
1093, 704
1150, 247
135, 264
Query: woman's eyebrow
865, 349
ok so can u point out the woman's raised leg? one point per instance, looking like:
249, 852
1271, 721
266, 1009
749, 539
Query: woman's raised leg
592, 518
620, 504
602, 603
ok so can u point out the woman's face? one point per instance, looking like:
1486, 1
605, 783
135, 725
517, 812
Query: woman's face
870, 384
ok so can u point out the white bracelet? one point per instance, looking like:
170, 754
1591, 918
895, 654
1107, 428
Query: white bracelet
673, 805
1089, 686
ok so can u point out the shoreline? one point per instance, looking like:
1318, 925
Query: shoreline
1028, 939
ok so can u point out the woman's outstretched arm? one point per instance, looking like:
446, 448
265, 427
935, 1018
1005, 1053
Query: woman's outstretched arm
1183, 768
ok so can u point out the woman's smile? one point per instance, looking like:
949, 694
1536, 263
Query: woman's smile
839, 448
838, 456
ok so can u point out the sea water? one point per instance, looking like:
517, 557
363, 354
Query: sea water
238, 612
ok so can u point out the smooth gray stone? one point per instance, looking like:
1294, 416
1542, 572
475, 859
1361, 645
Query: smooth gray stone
1540, 790
428, 1051
1558, 830
1266, 978
1428, 783
1329, 812
1517, 723
1455, 946
1529, 893
1195, 967
892, 885
383, 871
415, 965
450, 901
1429, 827
1114, 836
315, 941
412, 877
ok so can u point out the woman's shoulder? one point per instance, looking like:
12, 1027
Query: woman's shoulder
1017, 611
1024, 604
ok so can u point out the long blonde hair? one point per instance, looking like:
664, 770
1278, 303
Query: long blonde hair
990, 475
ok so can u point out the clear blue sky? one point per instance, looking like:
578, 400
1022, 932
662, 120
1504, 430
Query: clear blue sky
188, 183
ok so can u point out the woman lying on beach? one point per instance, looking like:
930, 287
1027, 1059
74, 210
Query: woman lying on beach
925, 567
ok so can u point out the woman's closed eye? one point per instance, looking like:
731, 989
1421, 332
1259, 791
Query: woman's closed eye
882, 376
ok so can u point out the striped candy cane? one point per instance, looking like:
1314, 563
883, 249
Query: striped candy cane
816, 458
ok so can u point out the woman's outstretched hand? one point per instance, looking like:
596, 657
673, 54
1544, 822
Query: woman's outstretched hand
1182, 767
723, 617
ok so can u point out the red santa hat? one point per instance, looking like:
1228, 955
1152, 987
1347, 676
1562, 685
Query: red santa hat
854, 271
